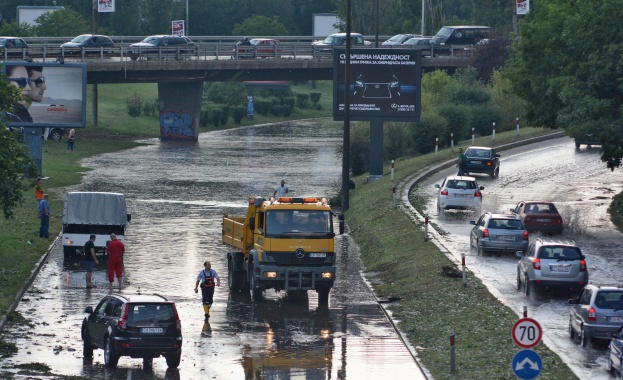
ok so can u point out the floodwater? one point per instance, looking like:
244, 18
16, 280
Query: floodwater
582, 188
177, 194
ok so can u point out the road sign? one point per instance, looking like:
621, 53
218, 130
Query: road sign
527, 333
527, 364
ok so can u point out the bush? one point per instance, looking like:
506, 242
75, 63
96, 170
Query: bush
276, 110
204, 118
216, 116
482, 119
262, 106
458, 117
359, 148
150, 107
288, 101
287, 110
224, 115
315, 97
238, 113
431, 126
302, 100
135, 105
395, 140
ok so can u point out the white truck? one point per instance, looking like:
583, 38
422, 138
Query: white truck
97, 213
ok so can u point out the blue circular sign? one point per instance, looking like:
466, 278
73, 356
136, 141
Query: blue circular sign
527, 364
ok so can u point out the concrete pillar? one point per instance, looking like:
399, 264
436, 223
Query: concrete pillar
180, 110
376, 149
33, 140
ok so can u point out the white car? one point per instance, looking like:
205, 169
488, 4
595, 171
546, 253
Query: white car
459, 193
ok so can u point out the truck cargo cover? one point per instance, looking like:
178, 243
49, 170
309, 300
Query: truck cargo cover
95, 208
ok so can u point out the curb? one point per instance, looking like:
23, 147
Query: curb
29, 281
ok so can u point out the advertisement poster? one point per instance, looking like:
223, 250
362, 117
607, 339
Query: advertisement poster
177, 28
523, 7
55, 94
384, 84
105, 5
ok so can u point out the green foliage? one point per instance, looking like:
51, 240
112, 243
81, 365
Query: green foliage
224, 114
503, 97
424, 133
238, 113
204, 118
482, 119
61, 23
135, 105
434, 82
458, 117
396, 140
359, 148
15, 29
262, 106
150, 107
315, 97
468, 95
229, 93
157, 16
216, 116
302, 100
259, 25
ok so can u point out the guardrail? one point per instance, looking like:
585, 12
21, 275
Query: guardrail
209, 51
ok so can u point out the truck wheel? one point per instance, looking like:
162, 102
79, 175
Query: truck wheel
234, 278
256, 291
57, 134
69, 251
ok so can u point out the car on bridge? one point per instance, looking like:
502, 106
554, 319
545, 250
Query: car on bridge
13, 47
399, 39
89, 43
259, 48
339, 39
162, 46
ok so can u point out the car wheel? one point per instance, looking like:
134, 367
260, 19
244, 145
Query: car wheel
87, 349
571, 331
518, 280
527, 286
577, 145
610, 366
148, 362
323, 296
584, 338
173, 360
471, 243
56, 134
496, 172
480, 251
111, 358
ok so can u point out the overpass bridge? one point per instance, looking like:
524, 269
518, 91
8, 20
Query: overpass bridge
180, 72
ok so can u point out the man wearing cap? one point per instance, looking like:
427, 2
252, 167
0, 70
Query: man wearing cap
281, 190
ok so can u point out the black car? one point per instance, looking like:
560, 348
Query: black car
91, 43
138, 326
588, 139
162, 44
12, 47
482, 159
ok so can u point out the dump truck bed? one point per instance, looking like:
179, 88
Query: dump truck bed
233, 231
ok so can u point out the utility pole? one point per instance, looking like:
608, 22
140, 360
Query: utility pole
346, 128
94, 85
186, 32
422, 32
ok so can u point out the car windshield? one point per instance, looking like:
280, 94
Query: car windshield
541, 208
460, 184
332, 40
302, 221
609, 300
255, 42
139, 313
479, 153
507, 224
81, 38
560, 253
444, 32
397, 38
151, 40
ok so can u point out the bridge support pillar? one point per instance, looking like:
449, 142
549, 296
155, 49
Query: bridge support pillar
180, 110
376, 149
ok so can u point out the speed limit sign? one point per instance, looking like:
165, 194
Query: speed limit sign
527, 333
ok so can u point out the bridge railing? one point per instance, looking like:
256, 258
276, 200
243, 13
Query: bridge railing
208, 51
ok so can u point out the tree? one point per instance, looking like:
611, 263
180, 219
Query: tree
158, 16
567, 66
15, 29
61, 23
14, 157
260, 26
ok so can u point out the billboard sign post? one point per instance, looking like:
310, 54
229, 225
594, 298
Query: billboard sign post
177, 28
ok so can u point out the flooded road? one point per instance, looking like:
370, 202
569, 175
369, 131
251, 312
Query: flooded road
177, 195
582, 188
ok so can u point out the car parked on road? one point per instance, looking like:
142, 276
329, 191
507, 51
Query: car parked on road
498, 233
482, 159
13, 47
338, 39
90, 43
139, 326
459, 193
615, 353
399, 39
551, 264
588, 139
597, 313
539, 216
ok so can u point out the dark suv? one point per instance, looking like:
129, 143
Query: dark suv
482, 159
138, 326
162, 45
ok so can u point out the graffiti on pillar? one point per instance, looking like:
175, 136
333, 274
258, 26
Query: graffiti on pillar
177, 125
250, 106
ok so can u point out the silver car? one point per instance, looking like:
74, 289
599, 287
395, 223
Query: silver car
551, 264
596, 314
498, 233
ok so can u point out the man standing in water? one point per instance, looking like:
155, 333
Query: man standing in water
206, 278
115, 251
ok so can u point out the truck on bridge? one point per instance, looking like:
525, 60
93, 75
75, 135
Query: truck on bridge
283, 244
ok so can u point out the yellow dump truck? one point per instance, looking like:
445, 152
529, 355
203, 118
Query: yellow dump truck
282, 244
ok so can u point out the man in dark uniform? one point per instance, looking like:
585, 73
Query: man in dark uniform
207, 278
89, 260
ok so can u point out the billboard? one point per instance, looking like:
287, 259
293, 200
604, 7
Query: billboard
523, 7
106, 5
385, 84
177, 28
55, 94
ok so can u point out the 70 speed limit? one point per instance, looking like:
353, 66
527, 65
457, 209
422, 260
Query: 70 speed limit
527, 333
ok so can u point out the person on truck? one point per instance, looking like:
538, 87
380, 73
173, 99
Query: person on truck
207, 278
115, 251
281, 190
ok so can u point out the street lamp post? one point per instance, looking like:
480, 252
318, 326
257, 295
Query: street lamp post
186, 26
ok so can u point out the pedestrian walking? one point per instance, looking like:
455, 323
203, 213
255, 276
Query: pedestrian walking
90, 259
281, 190
115, 251
462, 162
70, 140
206, 278
39, 192
44, 215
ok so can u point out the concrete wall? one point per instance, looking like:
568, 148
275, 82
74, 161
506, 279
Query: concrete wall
180, 110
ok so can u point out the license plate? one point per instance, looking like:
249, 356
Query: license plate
475, 162
560, 268
461, 195
504, 237
615, 319
542, 220
317, 255
152, 330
